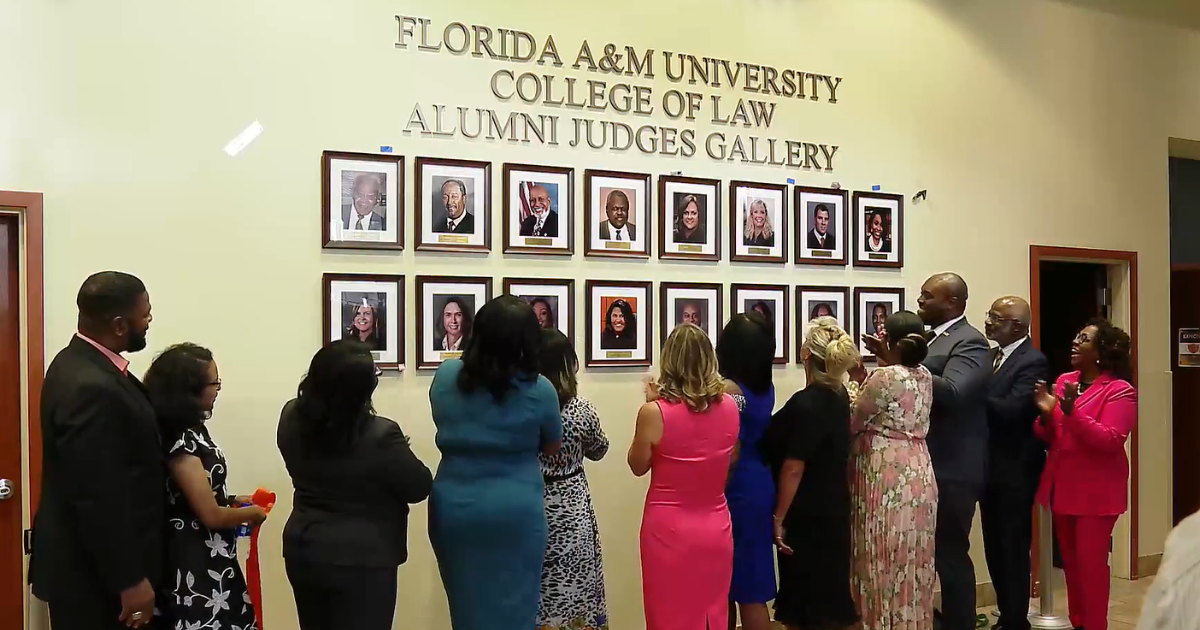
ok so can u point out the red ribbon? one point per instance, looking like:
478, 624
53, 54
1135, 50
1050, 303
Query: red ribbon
264, 499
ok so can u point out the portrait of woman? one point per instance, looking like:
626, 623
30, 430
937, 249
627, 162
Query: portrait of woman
365, 308
816, 301
771, 302
552, 301
544, 312
455, 323
873, 306
620, 327
689, 220
763, 308
757, 229
821, 309
447, 307
878, 230
365, 323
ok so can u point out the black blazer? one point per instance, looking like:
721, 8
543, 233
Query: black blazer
958, 425
99, 524
606, 231
1015, 455
465, 226
549, 228
813, 243
351, 507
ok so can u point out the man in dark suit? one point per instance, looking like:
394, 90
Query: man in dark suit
958, 437
361, 213
456, 219
97, 534
1015, 458
617, 227
819, 237
544, 220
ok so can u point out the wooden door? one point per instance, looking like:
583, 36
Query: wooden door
1185, 394
12, 589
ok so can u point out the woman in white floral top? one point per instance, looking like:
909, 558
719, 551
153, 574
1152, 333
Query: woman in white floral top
893, 496
203, 586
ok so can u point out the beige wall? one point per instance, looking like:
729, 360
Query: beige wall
1029, 121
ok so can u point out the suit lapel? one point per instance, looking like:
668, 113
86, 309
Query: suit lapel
1011, 362
127, 382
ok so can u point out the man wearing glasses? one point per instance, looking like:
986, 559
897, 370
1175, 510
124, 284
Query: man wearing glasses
363, 213
1015, 457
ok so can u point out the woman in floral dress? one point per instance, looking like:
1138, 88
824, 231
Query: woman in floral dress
573, 570
203, 586
893, 494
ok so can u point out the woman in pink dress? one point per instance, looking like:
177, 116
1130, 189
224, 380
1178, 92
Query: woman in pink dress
893, 496
686, 434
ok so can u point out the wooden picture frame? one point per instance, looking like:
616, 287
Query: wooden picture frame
774, 298
352, 296
676, 194
533, 290
346, 175
472, 230
836, 203
811, 298
865, 300
891, 256
671, 293
599, 188
772, 199
556, 236
605, 349
438, 292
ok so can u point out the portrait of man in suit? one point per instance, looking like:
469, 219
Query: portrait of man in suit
821, 236
367, 210
455, 217
616, 227
542, 219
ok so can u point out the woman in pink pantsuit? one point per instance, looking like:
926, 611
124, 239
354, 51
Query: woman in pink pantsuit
686, 434
1086, 421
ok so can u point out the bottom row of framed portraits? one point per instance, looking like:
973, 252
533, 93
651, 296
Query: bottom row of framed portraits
619, 314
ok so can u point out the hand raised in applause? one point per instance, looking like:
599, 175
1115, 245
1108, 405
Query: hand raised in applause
1044, 399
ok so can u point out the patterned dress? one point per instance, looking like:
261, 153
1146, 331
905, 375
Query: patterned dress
893, 509
573, 570
204, 587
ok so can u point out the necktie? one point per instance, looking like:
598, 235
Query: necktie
618, 234
450, 225
360, 223
998, 361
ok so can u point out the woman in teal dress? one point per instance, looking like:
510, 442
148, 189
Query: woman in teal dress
494, 414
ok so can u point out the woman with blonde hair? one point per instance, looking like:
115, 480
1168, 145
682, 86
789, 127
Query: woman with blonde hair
808, 446
756, 227
686, 434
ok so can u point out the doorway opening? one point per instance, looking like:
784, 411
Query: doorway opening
1069, 286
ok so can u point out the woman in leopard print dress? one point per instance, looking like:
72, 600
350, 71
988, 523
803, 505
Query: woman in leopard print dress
572, 572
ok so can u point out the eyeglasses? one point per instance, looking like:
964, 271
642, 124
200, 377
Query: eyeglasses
216, 383
996, 319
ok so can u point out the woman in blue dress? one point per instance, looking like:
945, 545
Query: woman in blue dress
746, 352
487, 523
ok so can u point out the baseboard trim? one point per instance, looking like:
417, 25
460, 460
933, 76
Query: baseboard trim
1148, 565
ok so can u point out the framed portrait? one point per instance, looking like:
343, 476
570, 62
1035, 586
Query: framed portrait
688, 225
821, 226
771, 301
757, 222
447, 307
362, 201
814, 301
618, 210
619, 321
878, 230
698, 303
873, 305
454, 205
553, 301
367, 307
539, 209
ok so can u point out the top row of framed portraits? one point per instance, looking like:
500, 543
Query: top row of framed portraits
363, 208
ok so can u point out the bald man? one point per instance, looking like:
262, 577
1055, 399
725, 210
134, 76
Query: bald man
1015, 457
958, 438
542, 220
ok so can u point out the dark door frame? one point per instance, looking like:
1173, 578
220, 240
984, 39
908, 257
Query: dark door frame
1039, 253
27, 208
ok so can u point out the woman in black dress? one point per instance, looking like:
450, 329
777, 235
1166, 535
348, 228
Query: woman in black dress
620, 327
203, 585
808, 445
